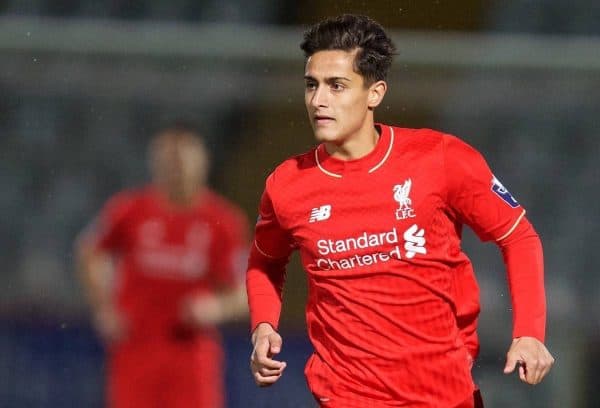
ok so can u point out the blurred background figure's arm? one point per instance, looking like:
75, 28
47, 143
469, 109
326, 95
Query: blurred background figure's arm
95, 272
221, 307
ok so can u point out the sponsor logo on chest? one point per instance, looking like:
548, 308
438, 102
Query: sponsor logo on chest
367, 249
182, 257
360, 248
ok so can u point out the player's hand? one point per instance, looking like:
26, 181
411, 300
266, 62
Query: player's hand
109, 324
202, 311
532, 357
267, 343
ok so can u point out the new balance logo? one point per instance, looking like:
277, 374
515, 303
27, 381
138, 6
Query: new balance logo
320, 213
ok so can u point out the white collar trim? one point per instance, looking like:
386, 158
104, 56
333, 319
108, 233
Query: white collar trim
378, 165
387, 154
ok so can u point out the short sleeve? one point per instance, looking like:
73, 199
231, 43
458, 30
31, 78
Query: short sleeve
270, 239
475, 195
108, 230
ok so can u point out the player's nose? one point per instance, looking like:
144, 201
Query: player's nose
319, 98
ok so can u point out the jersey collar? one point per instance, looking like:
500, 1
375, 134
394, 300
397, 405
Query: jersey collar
367, 164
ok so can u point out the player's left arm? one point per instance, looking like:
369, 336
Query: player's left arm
523, 257
482, 202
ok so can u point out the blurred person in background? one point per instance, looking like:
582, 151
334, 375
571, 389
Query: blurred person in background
377, 213
161, 267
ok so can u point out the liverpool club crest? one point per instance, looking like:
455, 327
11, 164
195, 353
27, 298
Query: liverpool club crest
401, 195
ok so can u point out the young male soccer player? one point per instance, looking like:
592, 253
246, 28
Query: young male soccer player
376, 212
177, 248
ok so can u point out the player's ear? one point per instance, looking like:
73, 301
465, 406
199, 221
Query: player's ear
376, 93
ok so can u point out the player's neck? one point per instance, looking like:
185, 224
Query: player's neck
182, 199
355, 146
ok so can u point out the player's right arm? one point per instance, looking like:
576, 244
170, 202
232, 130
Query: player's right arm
95, 271
264, 284
265, 278
94, 250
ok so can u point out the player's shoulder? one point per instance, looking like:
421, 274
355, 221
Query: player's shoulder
219, 201
129, 197
414, 141
429, 140
124, 203
420, 135
291, 168
222, 205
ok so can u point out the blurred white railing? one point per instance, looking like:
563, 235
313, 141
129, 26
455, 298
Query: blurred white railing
259, 43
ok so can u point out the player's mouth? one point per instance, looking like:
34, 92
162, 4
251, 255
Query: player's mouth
322, 120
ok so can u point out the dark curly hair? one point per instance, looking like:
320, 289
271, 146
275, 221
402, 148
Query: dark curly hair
348, 32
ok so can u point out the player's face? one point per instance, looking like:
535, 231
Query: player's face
179, 165
336, 98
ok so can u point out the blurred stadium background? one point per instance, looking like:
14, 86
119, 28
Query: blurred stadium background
83, 83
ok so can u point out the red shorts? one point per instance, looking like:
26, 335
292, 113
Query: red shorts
166, 374
472, 402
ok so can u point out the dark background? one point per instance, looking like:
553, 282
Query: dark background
83, 83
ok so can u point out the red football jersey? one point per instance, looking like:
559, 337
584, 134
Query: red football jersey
380, 240
165, 253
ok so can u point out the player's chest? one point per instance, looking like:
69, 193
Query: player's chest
155, 230
169, 246
396, 202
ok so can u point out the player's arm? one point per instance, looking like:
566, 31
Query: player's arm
95, 271
523, 256
265, 278
224, 305
93, 251
234, 302
264, 283
479, 200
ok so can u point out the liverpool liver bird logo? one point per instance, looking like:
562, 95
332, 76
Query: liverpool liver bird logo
401, 195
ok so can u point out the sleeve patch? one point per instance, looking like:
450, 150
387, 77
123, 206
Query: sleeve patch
503, 193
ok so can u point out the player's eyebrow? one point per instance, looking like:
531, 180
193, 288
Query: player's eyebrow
327, 80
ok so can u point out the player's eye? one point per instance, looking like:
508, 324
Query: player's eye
310, 85
337, 86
